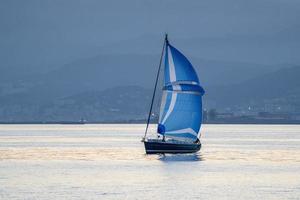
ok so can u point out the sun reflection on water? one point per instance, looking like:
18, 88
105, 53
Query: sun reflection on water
109, 162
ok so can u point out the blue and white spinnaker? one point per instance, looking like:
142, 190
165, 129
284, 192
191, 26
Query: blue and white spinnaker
181, 107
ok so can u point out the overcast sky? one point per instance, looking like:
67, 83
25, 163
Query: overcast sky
53, 32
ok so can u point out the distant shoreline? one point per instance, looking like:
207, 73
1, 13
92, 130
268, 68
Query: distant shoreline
124, 122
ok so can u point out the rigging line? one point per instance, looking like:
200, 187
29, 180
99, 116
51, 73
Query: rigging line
157, 76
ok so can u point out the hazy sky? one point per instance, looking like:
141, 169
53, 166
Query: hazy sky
54, 32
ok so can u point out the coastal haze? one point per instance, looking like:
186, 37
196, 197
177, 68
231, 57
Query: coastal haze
108, 162
76, 83
97, 60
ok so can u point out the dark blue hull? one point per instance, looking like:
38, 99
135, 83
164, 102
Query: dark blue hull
154, 147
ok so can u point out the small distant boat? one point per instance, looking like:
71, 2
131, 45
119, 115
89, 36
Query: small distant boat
81, 121
180, 114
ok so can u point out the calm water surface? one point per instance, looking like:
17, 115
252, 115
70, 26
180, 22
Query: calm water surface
108, 162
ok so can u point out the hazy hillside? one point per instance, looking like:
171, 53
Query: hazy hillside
118, 103
114, 104
106, 71
281, 87
46, 103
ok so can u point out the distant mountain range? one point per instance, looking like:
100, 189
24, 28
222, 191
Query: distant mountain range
118, 87
106, 71
278, 88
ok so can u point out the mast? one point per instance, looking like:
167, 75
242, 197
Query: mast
155, 86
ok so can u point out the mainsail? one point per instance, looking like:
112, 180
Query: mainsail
181, 106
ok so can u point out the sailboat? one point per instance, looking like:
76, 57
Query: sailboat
180, 115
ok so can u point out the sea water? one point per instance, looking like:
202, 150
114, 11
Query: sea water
109, 162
